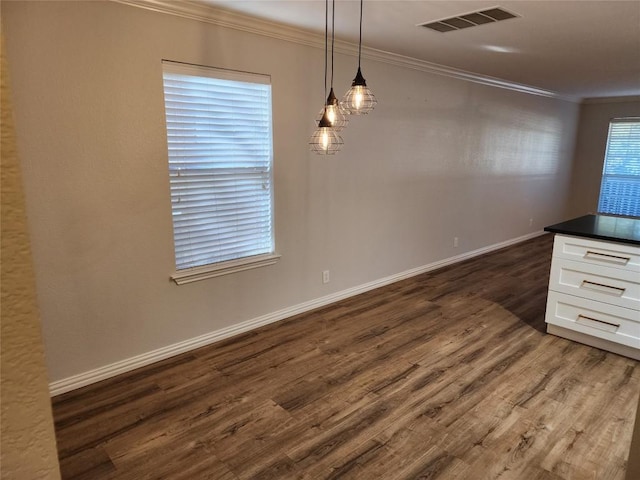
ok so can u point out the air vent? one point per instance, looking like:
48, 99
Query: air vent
467, 20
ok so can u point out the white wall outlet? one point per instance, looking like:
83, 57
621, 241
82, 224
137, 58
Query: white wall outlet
325, 276
531, 222
455, 241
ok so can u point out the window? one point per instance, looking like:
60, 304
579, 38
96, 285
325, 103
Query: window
220, 169
620, 188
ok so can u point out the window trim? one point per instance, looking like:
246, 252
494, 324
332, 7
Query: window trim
188, 275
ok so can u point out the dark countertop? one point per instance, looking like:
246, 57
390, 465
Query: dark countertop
601, 227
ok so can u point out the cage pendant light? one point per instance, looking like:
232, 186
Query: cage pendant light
325, 140
359, 100
337, 117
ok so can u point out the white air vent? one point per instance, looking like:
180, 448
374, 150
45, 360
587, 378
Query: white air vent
467, 20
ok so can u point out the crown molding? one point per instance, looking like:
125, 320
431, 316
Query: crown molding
204, 13
624, 99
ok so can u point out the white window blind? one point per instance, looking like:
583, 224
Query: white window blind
620, 188
220, 163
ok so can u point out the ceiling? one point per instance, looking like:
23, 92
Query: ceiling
579, 49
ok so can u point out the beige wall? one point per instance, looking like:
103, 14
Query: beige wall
438, 158
591, 145
28, 448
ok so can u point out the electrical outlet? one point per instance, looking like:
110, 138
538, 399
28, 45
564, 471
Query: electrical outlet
325, 276
455, 241
531, 222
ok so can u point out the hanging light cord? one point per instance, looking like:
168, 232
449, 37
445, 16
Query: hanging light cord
333, 36
360, 42
326, 43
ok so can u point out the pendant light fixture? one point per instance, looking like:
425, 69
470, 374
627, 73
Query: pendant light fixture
335, 113
359, 100
325, 140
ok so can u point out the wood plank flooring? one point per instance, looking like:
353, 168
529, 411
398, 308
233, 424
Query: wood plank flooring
447, 375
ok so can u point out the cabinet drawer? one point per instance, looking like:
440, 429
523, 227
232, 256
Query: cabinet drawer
609, 322
604, 284
597, 252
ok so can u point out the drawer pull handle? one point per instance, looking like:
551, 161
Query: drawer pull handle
608, 257
617, 325
600, 286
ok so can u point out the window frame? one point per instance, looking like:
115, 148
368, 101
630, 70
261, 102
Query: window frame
200, 272
633, 178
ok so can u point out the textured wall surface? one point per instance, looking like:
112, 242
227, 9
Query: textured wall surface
28, 441
438, 158
591, 145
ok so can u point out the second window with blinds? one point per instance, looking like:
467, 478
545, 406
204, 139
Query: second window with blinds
219, 137
620, 187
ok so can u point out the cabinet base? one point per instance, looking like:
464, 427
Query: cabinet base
623, 350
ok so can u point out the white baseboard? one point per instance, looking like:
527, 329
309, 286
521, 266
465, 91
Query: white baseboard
92, 376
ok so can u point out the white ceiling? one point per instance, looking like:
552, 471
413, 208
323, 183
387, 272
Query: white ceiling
580, 48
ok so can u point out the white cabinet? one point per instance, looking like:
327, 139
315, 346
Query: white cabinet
594, 294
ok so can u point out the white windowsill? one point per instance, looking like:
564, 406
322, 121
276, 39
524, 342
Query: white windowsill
224, 268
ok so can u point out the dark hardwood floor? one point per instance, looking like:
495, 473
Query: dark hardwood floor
445, 375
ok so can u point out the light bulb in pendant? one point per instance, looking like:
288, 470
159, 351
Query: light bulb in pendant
359, 100
325, 140
335, 113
